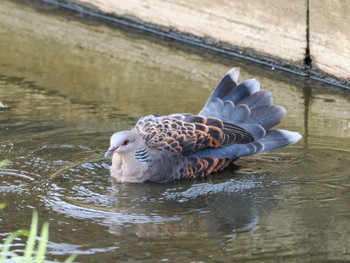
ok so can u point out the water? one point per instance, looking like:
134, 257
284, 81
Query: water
70, 82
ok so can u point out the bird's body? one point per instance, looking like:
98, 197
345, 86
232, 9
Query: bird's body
236, 121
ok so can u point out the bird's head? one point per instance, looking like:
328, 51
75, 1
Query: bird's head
123, 142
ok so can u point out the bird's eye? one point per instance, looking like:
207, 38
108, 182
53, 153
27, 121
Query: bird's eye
126, 142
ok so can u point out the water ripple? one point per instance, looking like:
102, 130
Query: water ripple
206, 189
106, 217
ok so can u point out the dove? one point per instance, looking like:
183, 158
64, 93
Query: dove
236, 121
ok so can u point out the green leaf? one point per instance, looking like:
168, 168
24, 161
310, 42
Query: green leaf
4, 163
3, 106
2, 206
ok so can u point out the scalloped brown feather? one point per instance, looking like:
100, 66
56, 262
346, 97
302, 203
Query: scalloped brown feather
202, 167
187, 133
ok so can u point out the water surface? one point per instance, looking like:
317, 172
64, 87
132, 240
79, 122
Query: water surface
70, 82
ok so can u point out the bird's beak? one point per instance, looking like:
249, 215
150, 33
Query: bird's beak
110, 152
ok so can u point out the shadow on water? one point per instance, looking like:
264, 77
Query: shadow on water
70, 85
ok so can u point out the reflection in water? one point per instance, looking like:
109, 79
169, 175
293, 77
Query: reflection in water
207, 189
193, 209
65, 101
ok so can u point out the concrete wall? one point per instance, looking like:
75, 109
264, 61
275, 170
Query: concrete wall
90, 62
246, 26
330, 36
270, 30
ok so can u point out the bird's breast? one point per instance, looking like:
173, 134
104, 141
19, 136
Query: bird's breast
126, 168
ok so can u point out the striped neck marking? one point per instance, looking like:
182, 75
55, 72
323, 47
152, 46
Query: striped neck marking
142, 156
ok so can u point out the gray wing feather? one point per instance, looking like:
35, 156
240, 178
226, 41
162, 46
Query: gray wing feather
274, 139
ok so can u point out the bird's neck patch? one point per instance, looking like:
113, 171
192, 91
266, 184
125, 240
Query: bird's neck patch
142, 156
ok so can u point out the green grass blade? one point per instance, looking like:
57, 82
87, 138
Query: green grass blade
6, 247
4, 163
44, 237
70, 259
31, 238
30, 245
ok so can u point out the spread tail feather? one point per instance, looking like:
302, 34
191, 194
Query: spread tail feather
251, 109
274, 139
228, 82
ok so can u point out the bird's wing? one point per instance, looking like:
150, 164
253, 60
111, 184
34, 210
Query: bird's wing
187, 133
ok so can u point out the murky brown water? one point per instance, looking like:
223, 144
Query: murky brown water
70, 84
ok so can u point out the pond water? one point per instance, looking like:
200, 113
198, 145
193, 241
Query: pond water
71, 81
